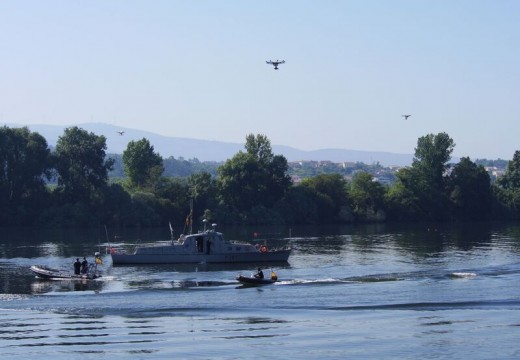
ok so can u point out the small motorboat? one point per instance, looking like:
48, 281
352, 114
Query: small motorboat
44, 272
253, 280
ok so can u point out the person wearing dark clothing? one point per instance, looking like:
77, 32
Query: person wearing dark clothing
84, 266
259, 274
77, 267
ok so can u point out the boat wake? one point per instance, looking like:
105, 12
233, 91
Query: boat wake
463, 275
375, 278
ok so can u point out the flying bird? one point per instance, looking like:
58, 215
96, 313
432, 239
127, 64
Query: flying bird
275, 63
406, 116
120, 132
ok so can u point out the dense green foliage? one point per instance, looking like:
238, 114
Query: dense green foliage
76, 184
142, 166
367, 198
253, 181
469, 191
24, 164
426, 180
79, 159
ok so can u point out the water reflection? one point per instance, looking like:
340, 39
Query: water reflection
39, 286
413, 241
331, 244
437, 239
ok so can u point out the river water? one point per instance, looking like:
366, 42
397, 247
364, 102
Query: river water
372, 292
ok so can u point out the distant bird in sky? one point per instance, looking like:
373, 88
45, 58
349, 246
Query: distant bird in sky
120, 132
406, 116
275, 63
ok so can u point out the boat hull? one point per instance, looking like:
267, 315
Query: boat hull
46, 273
252, 281
230, 258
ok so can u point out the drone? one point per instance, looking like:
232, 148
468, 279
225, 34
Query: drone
275, 63
406, 116
120, 132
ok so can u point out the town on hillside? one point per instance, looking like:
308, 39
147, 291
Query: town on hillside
383, 174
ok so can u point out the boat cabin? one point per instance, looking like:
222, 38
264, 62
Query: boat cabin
213, 242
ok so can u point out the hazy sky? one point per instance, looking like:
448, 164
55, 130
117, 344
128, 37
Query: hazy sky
196, 69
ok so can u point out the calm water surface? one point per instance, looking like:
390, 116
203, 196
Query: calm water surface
378, 292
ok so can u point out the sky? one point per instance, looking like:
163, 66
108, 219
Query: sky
197, 69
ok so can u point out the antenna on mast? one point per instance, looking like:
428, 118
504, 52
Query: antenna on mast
191, 216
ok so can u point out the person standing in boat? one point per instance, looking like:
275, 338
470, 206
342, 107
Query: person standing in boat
84, 266
97, 257
77, 267
259, 274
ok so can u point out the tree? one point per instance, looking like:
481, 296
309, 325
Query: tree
366, 196
237, 182
24, 165
507, 191
402, 199
24, 159
142, 165
470, 191
80, 163
272, 177
431, 158
425, 183
299, 206
330, 195
177, 192
511, 179
259, 147
117, 208
255, 177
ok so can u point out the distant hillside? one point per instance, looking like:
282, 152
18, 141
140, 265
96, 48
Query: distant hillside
207, 150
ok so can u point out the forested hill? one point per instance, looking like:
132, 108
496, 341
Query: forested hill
207, 150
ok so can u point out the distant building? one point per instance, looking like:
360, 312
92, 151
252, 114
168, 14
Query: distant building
296, 179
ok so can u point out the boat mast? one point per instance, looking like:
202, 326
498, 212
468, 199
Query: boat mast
191, 216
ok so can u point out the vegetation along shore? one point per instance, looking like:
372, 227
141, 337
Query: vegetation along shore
78, 184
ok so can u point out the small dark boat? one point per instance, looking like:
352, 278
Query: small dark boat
253, 281
47, 273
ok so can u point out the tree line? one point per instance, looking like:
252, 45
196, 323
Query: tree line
70, 186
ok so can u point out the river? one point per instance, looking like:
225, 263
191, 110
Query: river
365, 292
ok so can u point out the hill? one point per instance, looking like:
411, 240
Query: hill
208, 150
